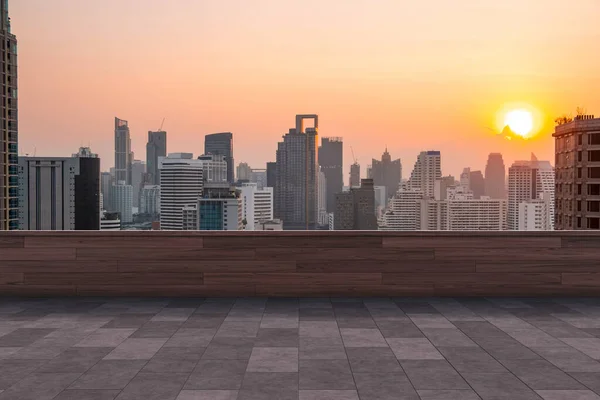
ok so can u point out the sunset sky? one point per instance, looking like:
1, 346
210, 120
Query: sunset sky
411, 75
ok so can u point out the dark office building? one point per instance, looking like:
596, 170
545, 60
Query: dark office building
331, 162
477, 183
87, 195
271, 174
355, 209
221, 144
387, 173
155, 148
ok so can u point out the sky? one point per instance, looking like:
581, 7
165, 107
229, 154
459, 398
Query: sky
409, 75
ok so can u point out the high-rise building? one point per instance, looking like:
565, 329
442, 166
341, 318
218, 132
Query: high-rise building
123, 154
380, 199
122, 200
533, 214
322, 199
355, 209
354, 175
106, 182
9, 154
138, 172
442, 184
271, 174
296, 188
577, 148
259, 176
243, 172
331, 161
387, 173
214, 168
528, 180
427, 169
404, 211
155, 148
221, 144
219, 209
257, 204
465, 178
495, 177
181, 183
59, 193
150, 200
463, 213
477, 184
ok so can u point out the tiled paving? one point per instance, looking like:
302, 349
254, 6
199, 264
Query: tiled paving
300, 349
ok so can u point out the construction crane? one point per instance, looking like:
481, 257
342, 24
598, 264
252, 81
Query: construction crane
353, 156
161, 125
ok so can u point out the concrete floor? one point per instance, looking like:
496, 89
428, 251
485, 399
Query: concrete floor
307, 349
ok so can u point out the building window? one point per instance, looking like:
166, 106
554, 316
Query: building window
579, 188
579, 172
594, 172
593, 223
594, 138
579, 222
579, 139
579, 156
594, 155
578, 205
594, 189
593, 206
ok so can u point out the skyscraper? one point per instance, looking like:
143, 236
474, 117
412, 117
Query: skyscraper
9, 155
578, 173
214, 168
271, 174
387, 173
181, 185
355, 209
297, 176
354, 175
138, 171
106, 182
331, 161
221, 144
59, 193
257, 204
477, 184
122, 200
155, 148
243, 172
123, 155
495, 177
427, 169
529, 180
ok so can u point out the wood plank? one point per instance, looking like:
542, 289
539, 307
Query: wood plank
71, 266
270, 242
336, 254
12, 241
520, 255
167, 290
343, 290
581, 279
10, 278
125, 278
163, 253
400, 265
581, 242
237, 266
506, 290
138, 242
15, 254
478, 279
471, 242
37, 290
544, 266
290, 278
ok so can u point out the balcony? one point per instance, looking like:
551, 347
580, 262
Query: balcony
242, 319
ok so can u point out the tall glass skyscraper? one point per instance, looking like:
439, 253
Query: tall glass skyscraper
9, 155
221, 144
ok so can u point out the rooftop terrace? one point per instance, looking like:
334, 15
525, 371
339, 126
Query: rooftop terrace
307, 348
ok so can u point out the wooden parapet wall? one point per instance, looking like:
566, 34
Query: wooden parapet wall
208, 264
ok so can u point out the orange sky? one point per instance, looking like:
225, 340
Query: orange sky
412, 75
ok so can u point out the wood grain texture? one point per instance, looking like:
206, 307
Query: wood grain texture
291, 264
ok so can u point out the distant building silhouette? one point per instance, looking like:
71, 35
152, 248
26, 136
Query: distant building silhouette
495, 177
155, 148
331, 161
354, 175
123, 154
138, 172
355, 209
122, 200
9, 153
243, 172
577, 148
221, 144
426, 171
387, 173
477, 184
296, 188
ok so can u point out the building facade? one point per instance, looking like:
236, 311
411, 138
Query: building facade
138, 175
355, 209
150, 200
577, 148
243, 172
533, 214
9, 136
387, 173
257, 204
214, 168
110, 221
495, 177
331, 161
354, 175
59, 193
464, 214
271, 174
221, 144
181, 184
296, 189
155, 148
426, 171
123, 154
404, 211
122, 200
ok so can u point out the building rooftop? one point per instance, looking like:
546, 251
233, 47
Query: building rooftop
309, 348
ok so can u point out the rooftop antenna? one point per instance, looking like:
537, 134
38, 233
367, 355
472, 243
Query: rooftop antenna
161, 125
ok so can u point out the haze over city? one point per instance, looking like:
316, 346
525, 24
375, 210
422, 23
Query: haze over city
407, 75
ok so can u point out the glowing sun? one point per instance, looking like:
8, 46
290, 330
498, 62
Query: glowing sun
520, 121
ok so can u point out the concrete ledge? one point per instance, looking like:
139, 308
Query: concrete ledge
322, 263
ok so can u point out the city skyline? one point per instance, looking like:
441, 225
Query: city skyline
387, 84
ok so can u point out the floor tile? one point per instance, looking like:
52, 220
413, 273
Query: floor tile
321, 348
374, 386
588, 346
157, 329
111, 337
277, 338
328, 395
109, 374
273, 359
319, 329
499, 386
541, 375
149, 386
373, 360
39, 386
356, 337
238, 329
568, 395
136, 349
217, 374
326, 374
208, 395
191, 337
433, 374
229, 348
448, 337
87, 395
448, 395
414, 349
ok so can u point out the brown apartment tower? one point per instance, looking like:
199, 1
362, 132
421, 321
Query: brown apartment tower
9, 155
577, 151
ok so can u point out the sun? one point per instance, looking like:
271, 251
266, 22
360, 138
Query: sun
520, 121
